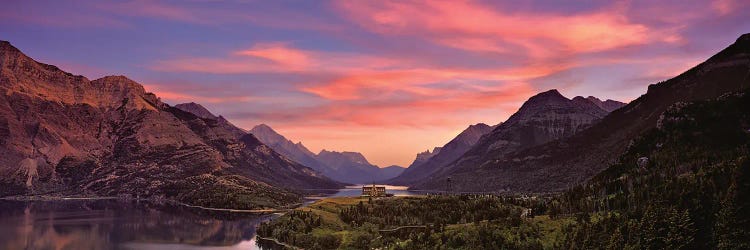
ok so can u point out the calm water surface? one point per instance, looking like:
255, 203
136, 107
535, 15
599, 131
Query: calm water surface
112, 224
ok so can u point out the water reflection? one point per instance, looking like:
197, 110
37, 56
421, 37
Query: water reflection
112, 224
109, 224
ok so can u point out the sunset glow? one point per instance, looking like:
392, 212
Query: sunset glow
388, 79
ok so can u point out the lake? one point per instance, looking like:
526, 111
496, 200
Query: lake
113, 224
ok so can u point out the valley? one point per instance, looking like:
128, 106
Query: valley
388, 125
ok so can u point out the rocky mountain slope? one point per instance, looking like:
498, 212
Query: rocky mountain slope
62, 134
428, 163
560, 164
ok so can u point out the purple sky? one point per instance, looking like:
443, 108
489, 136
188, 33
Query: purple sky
385, 78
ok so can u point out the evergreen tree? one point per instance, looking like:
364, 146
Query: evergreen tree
732, 230
681, 230
617, 240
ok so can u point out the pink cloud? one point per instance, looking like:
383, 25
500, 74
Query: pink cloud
472, 26
280, 54
275, 57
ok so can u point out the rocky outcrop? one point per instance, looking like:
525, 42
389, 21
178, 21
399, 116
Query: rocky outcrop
423, 157
62, 134
560, 164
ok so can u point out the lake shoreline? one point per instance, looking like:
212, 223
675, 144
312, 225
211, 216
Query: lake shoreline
157, 201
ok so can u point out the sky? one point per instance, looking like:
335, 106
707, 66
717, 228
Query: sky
385, 78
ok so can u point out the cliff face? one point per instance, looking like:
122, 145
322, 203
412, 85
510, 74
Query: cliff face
63, 134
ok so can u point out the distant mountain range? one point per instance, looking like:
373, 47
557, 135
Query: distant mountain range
64, 135
557, 150
347, 167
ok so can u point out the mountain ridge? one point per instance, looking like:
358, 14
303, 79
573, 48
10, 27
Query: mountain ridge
347, 167
543, 117
560, 164
429, 163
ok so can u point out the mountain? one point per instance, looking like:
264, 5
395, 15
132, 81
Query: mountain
64, 135
295, 151
351, 167
428, 163
424, 156
391, 171
608, 105
563, 163
544, 117
347, 167
196, 109
202, 112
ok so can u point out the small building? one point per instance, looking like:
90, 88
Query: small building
373, 191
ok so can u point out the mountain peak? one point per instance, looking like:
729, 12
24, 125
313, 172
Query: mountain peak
549, 93
609, 105
478, 125
550, 96
265, 129
743, 38
5, 46
263, 126
196, 109
351, 156
122, 82
593, 99
267, 135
